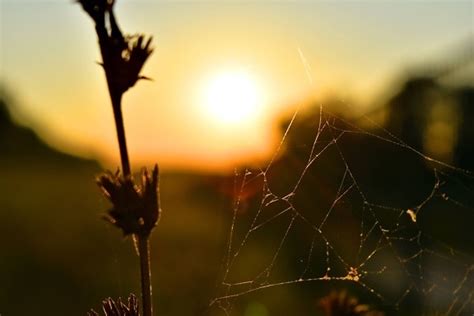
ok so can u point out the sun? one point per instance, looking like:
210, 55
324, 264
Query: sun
232, 97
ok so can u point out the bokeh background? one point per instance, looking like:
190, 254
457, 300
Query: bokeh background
394, 78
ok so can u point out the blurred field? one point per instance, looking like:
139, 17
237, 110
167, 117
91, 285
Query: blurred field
60, 258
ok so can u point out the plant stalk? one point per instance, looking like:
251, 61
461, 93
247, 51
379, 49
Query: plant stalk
143, 241
145, 270
117, 107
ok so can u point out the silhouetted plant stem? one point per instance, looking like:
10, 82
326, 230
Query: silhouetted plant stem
145, 270
117, 107
143, 241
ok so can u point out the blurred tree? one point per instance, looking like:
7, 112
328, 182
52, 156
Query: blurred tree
464, 156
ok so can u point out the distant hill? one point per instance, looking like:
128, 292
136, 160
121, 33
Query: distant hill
19, 143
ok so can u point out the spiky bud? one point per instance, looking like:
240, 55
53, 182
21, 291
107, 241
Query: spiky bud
118, 308
123, 57
342, 304
135, 208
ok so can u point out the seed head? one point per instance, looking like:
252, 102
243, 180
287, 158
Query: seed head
112, 308
123, 57
342, 304
135, 209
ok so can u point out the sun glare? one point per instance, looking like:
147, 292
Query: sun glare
232, 97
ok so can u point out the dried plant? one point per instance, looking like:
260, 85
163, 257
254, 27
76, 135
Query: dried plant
118, 308
339, 303
135, 208
123, 58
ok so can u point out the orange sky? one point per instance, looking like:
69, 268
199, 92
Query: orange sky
289, 51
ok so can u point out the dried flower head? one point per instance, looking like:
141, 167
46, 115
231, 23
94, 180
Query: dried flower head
136, 209
342, 304
112, 308
127, 65
123, 57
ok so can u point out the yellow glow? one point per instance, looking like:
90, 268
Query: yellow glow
233, 97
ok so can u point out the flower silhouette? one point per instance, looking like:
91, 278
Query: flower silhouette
112, 308
123, 57
135, 208
342, 304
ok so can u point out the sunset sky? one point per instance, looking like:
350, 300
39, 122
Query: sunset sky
279, 54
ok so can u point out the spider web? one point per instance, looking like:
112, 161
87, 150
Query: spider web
330, 222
